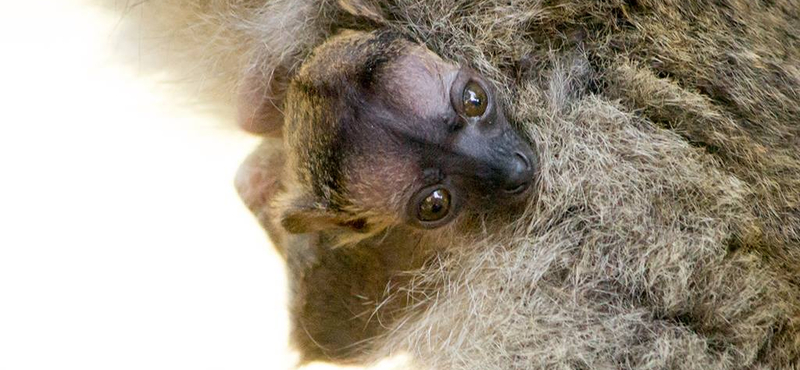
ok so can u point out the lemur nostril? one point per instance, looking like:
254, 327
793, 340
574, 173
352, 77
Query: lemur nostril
524, 159
518, 174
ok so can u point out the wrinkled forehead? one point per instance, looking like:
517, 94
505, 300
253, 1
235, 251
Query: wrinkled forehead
413, 89
381, 70
418, 83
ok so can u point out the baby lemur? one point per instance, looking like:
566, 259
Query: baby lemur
387, 150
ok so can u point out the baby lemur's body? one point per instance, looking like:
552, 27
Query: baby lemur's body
390, 153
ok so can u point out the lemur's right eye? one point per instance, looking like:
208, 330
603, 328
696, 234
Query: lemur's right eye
474, 99
435, 206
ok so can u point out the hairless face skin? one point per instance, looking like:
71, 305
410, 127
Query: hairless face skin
467, 153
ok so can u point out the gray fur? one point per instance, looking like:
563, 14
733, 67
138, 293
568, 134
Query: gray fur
666, 231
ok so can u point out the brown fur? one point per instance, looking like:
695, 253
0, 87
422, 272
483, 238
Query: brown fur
666, 233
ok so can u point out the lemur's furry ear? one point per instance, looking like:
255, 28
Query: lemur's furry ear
301, 214
302, 218
260, 101
262, 89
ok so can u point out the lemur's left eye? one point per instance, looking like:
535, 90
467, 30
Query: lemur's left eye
474, 99
435, 206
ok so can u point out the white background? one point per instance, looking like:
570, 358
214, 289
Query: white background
123, 244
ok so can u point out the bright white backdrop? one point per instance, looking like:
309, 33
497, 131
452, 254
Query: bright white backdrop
122, 242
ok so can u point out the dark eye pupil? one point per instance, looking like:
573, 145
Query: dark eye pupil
474, 99
435, 206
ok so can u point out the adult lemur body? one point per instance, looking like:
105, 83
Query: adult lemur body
663, 229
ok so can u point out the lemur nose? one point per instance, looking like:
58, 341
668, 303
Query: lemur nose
518, 174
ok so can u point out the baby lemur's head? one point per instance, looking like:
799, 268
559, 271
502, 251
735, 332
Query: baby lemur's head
379, 131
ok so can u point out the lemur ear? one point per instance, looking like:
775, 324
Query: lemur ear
302, 215
302, 219
260, 101
262, 88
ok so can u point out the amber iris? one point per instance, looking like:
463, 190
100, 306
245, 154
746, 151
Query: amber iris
474, 99
435, 206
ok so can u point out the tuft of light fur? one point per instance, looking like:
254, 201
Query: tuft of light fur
666, 230
210, 45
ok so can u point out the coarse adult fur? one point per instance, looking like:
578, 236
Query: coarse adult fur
666, 230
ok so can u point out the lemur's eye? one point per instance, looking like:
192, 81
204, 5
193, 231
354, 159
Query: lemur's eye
435, 206
474, 99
